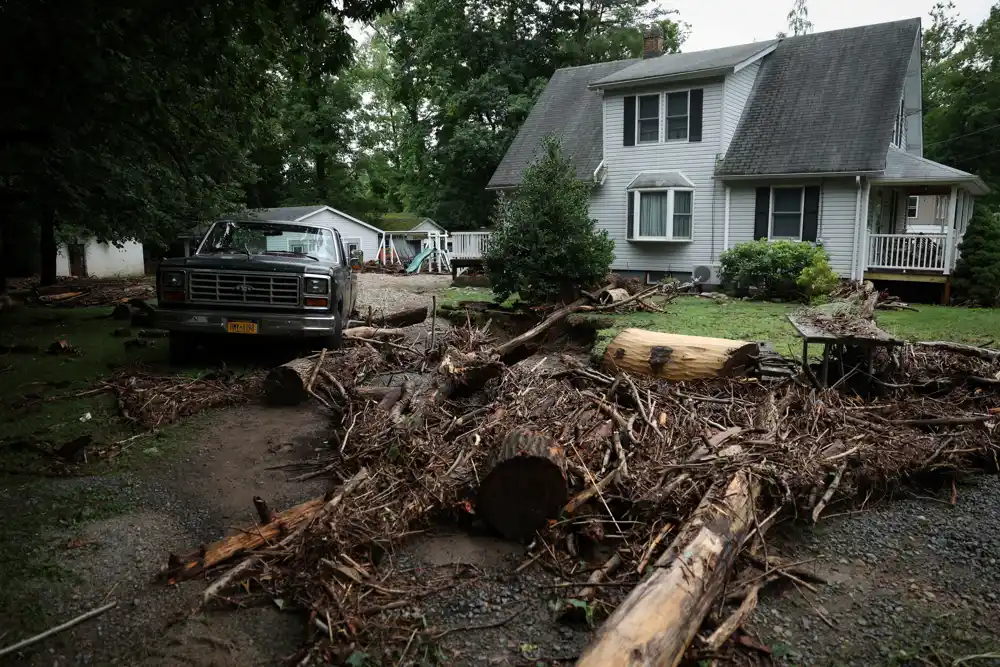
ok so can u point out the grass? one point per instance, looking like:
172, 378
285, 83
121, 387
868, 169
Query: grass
763, 320
450, 298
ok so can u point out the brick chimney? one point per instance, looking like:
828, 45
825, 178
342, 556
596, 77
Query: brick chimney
652, 41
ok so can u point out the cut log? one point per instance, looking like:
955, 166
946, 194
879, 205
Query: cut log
524, 486
286, 384
677, 357
613, 295
404, 318
360, 333
960, 348
655, 624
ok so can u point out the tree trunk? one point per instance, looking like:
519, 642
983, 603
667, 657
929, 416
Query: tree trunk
677, 357
960, 348
374, 332
404, 318
286, 384
661, 616
512, 352
524, 486
47, 248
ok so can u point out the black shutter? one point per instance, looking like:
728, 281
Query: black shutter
629, 227
761, 213
810, 216
629, 130
697, 98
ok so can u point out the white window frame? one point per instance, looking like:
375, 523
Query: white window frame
666, 124
659, 119
915, 207
802, 213
636, 211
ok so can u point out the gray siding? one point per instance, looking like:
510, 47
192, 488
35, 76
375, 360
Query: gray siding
838, 199
696, 160
349, 229
738, 87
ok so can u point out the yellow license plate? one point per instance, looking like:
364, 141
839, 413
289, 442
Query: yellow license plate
241, 327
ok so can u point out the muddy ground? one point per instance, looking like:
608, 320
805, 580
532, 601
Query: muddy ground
911, 583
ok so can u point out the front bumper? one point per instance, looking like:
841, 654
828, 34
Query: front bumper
286, 325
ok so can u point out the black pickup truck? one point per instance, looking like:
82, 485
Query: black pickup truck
267, 279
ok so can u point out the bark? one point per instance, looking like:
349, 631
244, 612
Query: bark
512, 351
47, 248
286, 384
960, 348
524, 485
404, 318
661, 616
359, 333
677, 357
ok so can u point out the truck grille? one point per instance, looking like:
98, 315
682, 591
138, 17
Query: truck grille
244, 288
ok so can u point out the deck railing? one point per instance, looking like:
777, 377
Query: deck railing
469, 245
916, 252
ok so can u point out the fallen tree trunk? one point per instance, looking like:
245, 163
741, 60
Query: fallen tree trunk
404, 318
457, 374
362, 333
524, 486
677, 357
655, 624
960, 348
512, 351
285, 525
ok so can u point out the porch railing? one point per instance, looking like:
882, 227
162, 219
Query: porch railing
916, 252
469, 245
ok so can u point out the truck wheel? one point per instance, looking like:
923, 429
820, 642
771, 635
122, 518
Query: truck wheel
336, 340
182, 347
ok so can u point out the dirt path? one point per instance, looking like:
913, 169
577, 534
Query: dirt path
174, 503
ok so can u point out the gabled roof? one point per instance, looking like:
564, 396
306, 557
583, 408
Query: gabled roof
905, 168
673, 66
824, 103
404, 222
300, 213
567, 109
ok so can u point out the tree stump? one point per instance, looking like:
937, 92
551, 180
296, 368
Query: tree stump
525, 485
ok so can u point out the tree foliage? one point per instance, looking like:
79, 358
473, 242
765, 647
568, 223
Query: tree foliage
545, 245
977, 272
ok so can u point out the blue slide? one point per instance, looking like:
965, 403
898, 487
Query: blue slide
418, 260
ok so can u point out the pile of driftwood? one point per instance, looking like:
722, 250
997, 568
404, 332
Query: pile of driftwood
682, 480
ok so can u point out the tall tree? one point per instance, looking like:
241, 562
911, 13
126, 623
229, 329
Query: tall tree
133, 120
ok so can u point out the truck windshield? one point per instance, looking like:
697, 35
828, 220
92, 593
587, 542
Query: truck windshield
270, 238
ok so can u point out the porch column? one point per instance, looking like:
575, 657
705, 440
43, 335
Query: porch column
949, 249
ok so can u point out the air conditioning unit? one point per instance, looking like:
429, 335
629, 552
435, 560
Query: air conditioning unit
705, 274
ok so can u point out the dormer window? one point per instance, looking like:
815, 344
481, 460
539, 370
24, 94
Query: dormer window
677, 115
899, 127
648, 121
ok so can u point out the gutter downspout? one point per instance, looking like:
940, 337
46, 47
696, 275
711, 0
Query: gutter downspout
725, 227
856, 257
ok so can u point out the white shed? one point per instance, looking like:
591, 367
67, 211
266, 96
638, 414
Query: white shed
93, 259
357, 234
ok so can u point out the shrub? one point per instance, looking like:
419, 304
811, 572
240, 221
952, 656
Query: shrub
545, 245
977, 272
774, 269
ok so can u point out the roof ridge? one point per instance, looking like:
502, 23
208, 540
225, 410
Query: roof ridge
854, 27
603, 62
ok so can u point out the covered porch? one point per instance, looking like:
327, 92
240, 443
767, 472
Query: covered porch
918, 211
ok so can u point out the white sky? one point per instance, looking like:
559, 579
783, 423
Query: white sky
716, 23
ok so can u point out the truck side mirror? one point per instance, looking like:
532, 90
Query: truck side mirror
356, 258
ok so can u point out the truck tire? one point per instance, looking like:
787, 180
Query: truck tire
182, 348
336, 340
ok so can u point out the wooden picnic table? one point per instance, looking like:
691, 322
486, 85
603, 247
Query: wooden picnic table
812, 332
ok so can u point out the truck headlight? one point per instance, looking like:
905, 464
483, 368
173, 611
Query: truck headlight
316, 286
173, 279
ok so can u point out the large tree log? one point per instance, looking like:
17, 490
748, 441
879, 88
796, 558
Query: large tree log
457, 374
360, 333
404, 318
286, 384
661, 616
524, 485
677, 357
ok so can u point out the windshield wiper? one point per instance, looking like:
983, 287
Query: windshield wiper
290, 252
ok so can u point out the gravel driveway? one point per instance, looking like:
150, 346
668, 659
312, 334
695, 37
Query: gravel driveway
913, 582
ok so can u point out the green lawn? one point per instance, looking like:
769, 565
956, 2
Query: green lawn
763, 320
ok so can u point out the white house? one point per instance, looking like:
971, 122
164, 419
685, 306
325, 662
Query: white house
93, 259
357, 234
811, 138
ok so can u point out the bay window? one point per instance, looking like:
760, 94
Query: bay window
662, 214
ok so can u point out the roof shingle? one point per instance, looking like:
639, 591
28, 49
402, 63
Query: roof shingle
695, 63
824, 103
567, 109
287, 213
